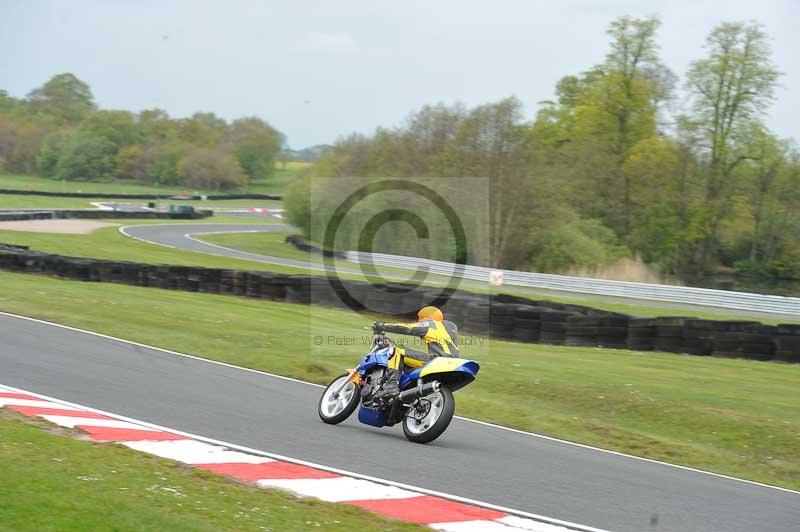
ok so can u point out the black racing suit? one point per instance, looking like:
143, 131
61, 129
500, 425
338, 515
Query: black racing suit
440, 337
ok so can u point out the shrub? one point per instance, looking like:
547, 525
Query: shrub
211, 170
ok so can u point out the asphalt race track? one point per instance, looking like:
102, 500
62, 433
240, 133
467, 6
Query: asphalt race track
178, 236
493, 465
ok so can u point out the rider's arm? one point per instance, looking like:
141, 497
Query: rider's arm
409, 329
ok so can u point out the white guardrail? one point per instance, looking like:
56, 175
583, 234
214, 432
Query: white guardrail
673, 294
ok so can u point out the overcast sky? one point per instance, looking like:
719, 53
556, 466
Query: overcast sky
320, 69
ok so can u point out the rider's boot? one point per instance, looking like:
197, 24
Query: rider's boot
391, 387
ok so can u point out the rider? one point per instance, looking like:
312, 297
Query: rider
439, 336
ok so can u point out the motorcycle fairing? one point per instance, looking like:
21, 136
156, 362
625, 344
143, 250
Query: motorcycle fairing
377, 358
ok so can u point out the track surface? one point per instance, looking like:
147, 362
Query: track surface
490, 464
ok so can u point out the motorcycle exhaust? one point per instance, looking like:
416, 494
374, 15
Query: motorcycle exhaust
419, 391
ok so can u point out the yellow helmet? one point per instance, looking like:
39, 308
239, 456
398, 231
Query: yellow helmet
430, 313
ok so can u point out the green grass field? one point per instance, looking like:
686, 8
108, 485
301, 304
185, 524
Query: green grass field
52, 481
736, 417
274, 184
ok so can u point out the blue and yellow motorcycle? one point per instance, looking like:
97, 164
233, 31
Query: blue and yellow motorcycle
425, 404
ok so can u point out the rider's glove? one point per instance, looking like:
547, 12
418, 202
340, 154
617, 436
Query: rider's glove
377, 327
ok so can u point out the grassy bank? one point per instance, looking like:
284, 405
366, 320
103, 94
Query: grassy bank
274, 184
735, 417
51, 481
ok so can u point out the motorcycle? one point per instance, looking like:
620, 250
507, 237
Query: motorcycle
425, 405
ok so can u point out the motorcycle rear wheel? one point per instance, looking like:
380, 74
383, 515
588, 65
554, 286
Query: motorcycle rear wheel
334, 411
435, 422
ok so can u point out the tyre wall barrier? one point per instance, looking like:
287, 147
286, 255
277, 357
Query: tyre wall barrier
299, 243
165, 196
501, 316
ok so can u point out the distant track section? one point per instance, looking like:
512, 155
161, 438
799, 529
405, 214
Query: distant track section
652, 292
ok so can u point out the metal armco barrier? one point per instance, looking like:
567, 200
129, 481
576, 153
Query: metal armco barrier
673, 294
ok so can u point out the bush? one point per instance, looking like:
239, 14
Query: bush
50, 152
211, 170
86, 157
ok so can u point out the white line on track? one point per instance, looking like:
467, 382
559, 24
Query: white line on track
470, 420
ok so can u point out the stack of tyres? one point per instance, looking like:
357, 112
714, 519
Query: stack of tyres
321, 292
613, 330
227, 281
699, 337
380, 299
273, 286
582, 331
457, 308
554, 326
102, 270
192, 280
745, 340
641, 334
352, 293
210, 281
517, 300
669, 334
477, 317
177, 277
250, 284
437, 298
298, 289
527, 323
501, 320
787, 343
124, 272
407, 299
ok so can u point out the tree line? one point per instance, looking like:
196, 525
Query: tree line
57, 131
626, 161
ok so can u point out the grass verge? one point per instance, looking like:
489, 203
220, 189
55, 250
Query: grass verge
274, 184
735, 417
52, 481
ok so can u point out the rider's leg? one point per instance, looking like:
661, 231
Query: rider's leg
401, 358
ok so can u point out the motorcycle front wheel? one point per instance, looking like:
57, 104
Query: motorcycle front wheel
430, 417
333, 410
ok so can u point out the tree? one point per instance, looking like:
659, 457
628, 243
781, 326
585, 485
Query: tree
86, 157
730, 88
119, 127
255, 144
160, 163
50, 152
155, 125
212, 170
64, 96
128, 161
203, 129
